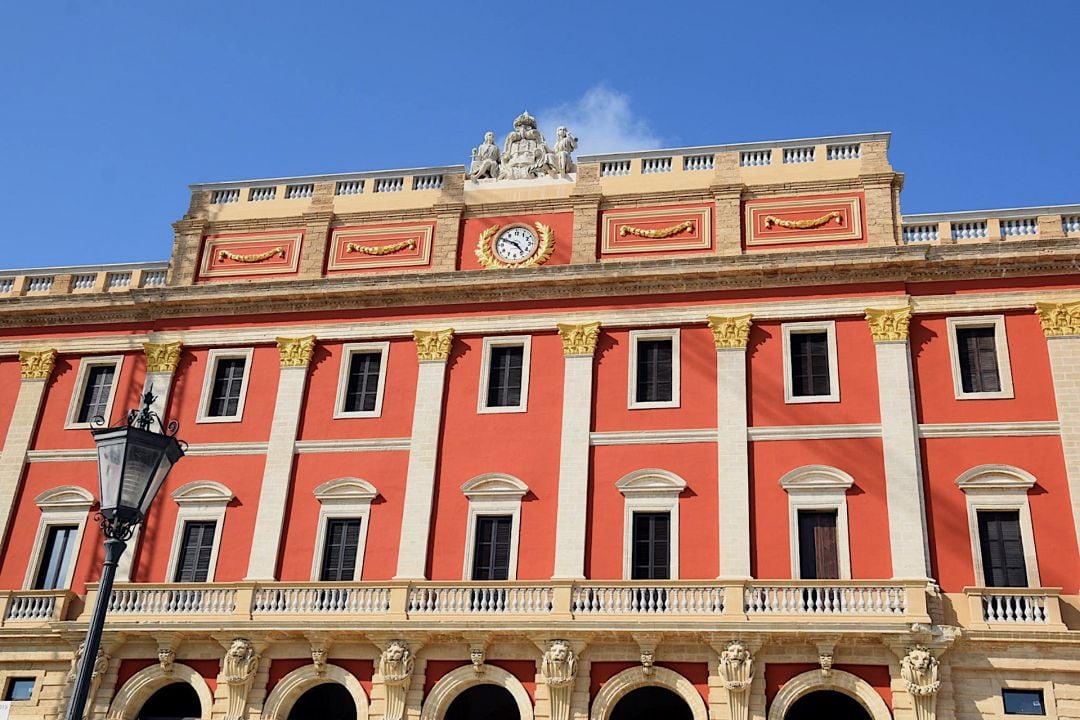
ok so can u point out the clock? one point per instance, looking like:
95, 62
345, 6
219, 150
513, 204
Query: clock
516, 244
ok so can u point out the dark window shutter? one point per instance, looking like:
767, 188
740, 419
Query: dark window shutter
650, 555
504, 375
654, 370
810, 364
1002, 549
818, 552
228, 379
363, 388
977, 352
56, 557
198, 544
491, 553
95, 397
339, 555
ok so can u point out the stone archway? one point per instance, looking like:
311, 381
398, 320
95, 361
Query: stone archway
633, 678
458, 680
837, 680
137, 690
289, 689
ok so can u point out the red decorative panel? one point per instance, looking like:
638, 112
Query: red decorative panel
655, 230
246, 254
369, 247
785, 221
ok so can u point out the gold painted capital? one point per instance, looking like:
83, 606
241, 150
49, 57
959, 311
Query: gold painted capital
296, 352
162, 357
730, 331
37, 364
579, 339
889, 325
1059, 319
433, 344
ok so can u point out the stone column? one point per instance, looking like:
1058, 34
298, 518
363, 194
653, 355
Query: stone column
1061, 325
277, 474
37, 367
900, 443
579, 344
730, 334
433, 351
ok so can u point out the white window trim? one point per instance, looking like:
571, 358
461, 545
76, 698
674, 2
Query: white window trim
1001, 346
818, 487
382, 349
829, 328
650, 490
212, 359
676, 369
117, 361
525, 341
995, 488
199, 501
493, 494
343, 499
64, 505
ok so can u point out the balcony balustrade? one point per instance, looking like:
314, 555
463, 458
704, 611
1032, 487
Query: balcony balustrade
1015, 607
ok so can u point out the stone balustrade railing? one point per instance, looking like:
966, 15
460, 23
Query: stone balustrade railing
22, 606
1026, 607
992, 225
77, 280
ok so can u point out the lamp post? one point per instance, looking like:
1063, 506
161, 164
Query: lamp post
133, 461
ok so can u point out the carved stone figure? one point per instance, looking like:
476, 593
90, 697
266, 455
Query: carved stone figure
485, 159
560, 671
101, 666
238, 669
477, 657
826, 661
526, 154
647, 662
396, 666
919, 670
737, 671
166, 657
565, 144
318, 659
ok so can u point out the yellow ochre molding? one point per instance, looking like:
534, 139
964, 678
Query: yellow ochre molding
889, 325
161, 357
730, 331
579, 339
433, 344
296, 352
667, 232
37, 364
808, 224
380, 249
1059, 319
259, 257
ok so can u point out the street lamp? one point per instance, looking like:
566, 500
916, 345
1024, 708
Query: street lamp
133, 461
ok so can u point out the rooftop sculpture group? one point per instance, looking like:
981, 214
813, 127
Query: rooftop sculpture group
525, 154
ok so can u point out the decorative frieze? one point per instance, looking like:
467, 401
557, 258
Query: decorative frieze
736, 668
296, 352
730, 331
37, 364
433, 344
579, 339
889, 325
238, 670
919, 670
162, 357
560, 671
1058, 319
396, 668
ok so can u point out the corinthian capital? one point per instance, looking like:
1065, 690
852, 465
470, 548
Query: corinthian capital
889, 325
579, 339
730, 331
296, 352
433, 344
37, 364
1059, 319
161, 357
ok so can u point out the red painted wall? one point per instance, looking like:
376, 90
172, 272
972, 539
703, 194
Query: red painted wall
778, 674
10, 379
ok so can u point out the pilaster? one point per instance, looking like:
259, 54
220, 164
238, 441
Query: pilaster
433, 351
882, 208
187, 242
316, 238
579, 344
586, 198
295, 356
448, 214
727, 224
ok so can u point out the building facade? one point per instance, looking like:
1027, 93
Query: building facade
713, 432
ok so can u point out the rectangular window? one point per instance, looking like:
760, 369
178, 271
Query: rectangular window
818, 558
978, 359
226, 391
504, 375
1002, 549
810, 364
339, 556
56, 558
19, 688
362, 390
196, 548
96, 393
651, 553
491, 555
654, 370
1023, 702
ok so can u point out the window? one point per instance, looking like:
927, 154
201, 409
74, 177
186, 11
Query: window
980, 358
1002, 548
95, 389
225, 386
651, 555
19, 688
196, 549
339, 556
504, 384
491, 554
654, 369
362, 380
1023, 702
810, 365
999, 521
818, 558
56, 559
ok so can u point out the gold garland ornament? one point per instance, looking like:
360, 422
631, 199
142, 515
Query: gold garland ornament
380, 249
667, 232
487, 257
226, 255
808, 224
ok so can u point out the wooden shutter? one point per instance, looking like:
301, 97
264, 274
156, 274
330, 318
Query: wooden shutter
195, 551
95, 398
504, 375
654, 370
491, 553
818, 556
53, 567
977, 351
363, 388
650, 557
1002, 549
810, 364
339, 554
228, 379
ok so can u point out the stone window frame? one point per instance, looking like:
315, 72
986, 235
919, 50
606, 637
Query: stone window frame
213, 357
199, 501
38, 676
673, 334
493, 494
1001, 348
525, 342
1047, 687
994, 488
650, 490
382, 349
347, 498
63, 505
81, 379
819, 487
814, 326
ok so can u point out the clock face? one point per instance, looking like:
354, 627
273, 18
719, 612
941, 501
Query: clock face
515, 244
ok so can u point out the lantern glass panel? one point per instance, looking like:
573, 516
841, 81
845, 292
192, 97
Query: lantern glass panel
110, 468
170, 454
143, 455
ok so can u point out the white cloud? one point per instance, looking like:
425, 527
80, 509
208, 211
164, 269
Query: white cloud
603, 121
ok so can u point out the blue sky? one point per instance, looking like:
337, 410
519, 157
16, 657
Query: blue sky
111, 108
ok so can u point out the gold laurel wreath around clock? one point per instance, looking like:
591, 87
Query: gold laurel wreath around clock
486, 255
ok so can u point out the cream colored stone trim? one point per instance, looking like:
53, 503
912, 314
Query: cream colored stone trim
621, 684
212, 359
66, 505
651, 490
493, 494
836, 680
288, 690
1001, 349
636, 336
24, 420
573, 467
77, 395
818, 487
733, 456
1064, 360
814, 432
458, 680
142, 685
382, 349
343, 499
829, 328
652, 437
200, 500
357, 445
525, 343
240, 448
1032, 428
1000, 487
